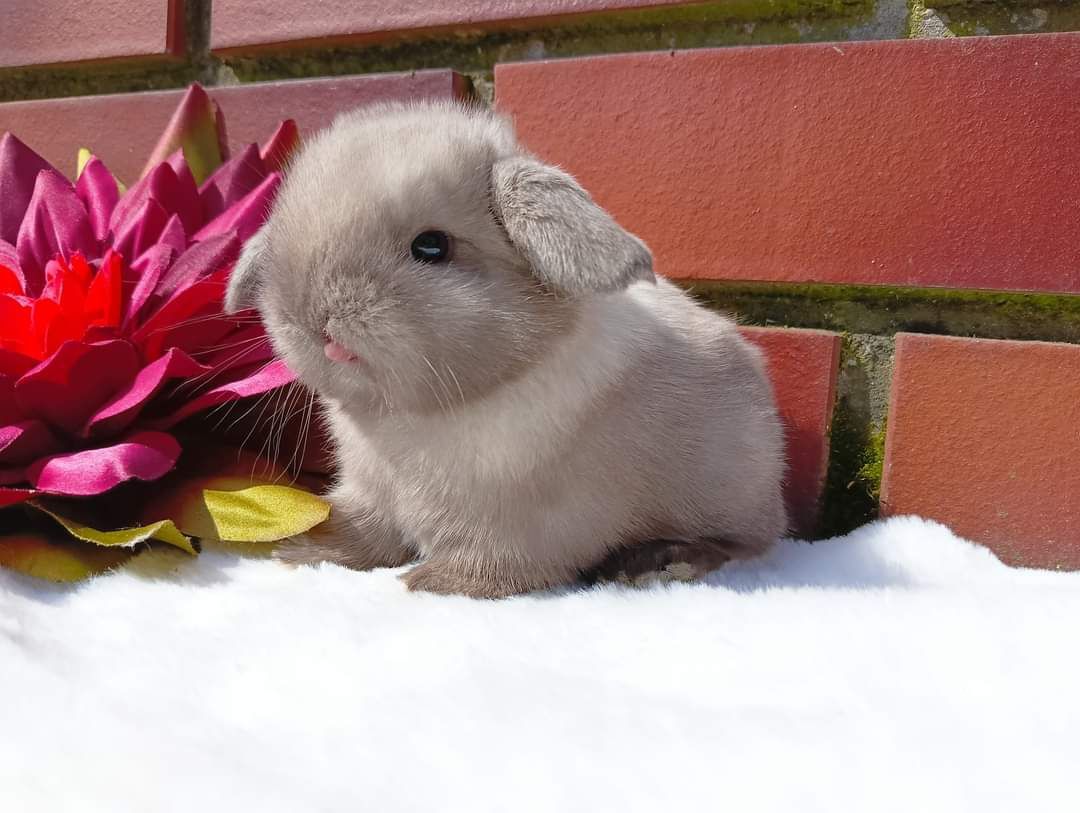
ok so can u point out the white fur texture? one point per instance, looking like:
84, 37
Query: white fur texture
899, 669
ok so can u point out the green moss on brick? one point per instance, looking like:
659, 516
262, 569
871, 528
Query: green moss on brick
873, 466
857, 439
884, 310
474, 49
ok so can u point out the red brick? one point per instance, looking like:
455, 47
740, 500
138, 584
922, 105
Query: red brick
803, 367
949, 162
40, 32
122, 129
239, 24
984, 436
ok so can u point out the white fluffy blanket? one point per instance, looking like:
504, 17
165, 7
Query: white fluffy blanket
898, 669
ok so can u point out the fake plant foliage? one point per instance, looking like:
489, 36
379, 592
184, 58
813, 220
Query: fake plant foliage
112, 337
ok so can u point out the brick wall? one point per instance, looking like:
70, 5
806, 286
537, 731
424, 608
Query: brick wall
885, 192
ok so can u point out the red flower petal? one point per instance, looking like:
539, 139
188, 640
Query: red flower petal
19, 168
10, 282
97, 190
54, 325
11, 496
55, 223
25, 442
266, 378
9, 410
103, 298
65, 284
125, 407
14, 364
9, 258
72, 384
12, 476
141, 456
16, 326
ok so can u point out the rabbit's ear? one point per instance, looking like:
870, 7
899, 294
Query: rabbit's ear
247, 275
572, 245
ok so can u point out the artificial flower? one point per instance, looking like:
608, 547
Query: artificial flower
111, 327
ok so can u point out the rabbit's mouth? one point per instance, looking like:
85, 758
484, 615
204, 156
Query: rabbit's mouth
337, 352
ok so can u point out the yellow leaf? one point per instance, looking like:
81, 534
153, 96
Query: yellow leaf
56, 559
84, 158
163, 530
233, 496
262, 513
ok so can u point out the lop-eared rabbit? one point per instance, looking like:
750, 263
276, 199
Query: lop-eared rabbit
514, 397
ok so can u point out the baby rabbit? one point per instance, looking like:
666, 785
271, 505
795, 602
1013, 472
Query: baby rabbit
512, 394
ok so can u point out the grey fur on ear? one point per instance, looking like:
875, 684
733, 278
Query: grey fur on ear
242, 292
572, 244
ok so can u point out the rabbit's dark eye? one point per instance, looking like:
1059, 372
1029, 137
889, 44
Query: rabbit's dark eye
431, 247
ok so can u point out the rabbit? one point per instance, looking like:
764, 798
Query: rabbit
514, 397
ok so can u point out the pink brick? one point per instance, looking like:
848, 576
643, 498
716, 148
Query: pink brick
950, 162
40, 32
984, 436
122, 129
239, 24
803, 366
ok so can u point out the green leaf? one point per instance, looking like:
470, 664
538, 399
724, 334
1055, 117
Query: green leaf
163, 530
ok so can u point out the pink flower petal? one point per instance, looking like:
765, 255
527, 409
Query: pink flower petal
141, 231
97, 190
125, 407
141, 280
199, 262
141, 456
25, 442
193, 302
244, 346
246, 215
204, 333
174, 193
11, 496
55, 223
280, 147
232, 181
19, 168
72, 384
173, 235
268, 377
194, 128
